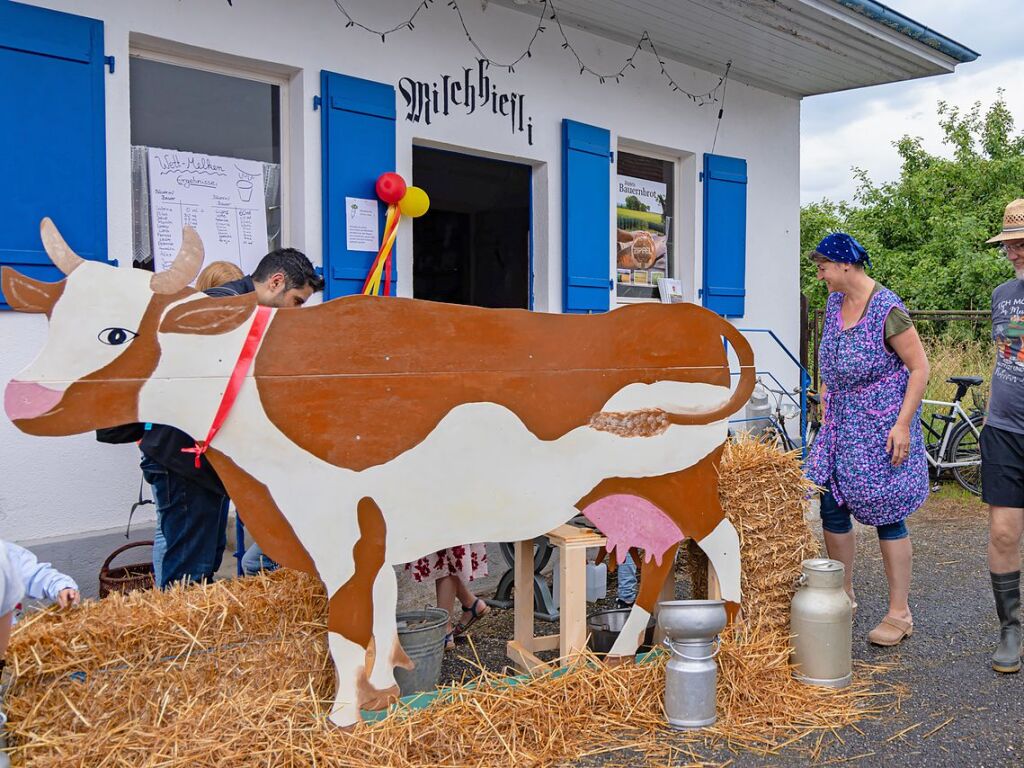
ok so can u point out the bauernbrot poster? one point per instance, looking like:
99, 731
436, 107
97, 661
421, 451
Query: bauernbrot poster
642, 236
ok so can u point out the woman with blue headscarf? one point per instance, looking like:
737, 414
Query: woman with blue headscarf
869, 454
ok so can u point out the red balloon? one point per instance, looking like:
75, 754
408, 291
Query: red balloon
390, 187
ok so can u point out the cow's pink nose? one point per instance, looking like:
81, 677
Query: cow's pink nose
25, 400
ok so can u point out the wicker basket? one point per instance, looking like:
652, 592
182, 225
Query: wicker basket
126, 578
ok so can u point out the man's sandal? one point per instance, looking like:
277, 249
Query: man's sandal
474, 614
890, 632
449, 641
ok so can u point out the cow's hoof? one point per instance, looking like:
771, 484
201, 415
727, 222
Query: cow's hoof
377, 699
732, 612
618, 661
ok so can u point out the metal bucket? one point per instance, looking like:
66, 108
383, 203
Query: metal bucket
421, 635
604, 628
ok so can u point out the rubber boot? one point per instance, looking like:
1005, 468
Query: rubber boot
1006, 589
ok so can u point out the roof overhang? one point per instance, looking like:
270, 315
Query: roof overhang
793, 47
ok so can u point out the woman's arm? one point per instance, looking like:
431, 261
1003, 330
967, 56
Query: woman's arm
911, 351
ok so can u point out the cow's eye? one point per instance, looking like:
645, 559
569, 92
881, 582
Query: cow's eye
116, 336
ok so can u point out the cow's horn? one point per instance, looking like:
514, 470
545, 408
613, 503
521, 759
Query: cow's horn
60, 252
185, 267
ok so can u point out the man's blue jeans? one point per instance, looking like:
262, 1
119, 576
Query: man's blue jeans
254, 561
627, 580
192, 521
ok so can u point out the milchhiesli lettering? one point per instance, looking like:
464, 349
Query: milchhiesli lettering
471, 91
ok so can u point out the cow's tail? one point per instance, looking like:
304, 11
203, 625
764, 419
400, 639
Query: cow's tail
744, 387
653, 421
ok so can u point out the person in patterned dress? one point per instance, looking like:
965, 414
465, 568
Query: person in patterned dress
869, 454
451, 570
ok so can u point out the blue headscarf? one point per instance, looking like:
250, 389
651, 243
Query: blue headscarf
843, 248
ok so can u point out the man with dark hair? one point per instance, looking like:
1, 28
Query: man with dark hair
192, 505
283, 278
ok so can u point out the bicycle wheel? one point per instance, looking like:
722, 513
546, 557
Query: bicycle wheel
964, 447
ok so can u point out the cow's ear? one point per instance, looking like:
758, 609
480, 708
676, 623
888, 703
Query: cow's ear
27, 295
208, 316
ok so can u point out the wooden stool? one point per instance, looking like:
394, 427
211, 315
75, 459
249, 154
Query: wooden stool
572, 543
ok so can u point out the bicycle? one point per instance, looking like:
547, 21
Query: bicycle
775, 432
954, 445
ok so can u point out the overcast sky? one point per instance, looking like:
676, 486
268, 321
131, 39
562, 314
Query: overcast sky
857, 128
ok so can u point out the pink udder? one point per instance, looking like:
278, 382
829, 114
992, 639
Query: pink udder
25, 400
631, 521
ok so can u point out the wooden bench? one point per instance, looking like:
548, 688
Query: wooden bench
572, 542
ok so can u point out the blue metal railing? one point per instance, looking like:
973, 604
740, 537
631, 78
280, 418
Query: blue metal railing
805, 383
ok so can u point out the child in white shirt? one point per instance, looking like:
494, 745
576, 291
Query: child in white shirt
41, 580
11, 593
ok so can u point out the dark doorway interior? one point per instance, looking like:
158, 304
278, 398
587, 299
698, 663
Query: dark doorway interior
473, 245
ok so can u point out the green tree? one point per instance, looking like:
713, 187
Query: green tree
926, 230
633, 204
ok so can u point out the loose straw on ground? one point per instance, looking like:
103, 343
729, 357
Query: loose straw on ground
237, 673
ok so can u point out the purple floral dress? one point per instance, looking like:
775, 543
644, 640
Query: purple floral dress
865, 386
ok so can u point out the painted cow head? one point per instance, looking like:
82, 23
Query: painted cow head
102, 344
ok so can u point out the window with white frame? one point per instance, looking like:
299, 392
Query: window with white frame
644, 202
206, 152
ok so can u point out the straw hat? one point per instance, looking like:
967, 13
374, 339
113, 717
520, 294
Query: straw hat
1013, 223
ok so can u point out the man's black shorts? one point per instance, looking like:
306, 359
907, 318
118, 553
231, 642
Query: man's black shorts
1002, 467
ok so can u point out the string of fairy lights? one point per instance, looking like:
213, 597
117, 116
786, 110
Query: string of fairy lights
548, 12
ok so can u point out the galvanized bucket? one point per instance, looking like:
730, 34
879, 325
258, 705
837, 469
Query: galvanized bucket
421, 635
604, 628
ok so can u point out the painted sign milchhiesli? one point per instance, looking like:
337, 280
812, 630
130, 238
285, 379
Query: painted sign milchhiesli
471, 91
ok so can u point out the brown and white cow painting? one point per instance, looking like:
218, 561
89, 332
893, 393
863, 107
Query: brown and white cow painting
373, 431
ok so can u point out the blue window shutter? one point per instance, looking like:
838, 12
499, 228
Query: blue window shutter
52, 131
725, 234
586, 208
358, 145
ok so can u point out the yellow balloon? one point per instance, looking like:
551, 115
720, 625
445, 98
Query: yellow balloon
415, 203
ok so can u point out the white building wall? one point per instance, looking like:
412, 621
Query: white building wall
75, 485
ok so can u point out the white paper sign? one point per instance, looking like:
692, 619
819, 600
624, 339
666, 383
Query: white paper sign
671, 290
220, 197
361, 224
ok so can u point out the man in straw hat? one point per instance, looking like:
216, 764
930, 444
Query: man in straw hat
1002, 444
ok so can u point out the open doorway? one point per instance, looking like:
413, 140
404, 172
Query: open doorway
473, 245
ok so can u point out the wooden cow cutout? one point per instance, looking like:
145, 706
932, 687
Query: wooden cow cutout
370, 432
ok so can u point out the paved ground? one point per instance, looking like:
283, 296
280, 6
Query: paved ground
944, 666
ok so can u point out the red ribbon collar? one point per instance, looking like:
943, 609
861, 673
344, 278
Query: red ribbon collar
245, 358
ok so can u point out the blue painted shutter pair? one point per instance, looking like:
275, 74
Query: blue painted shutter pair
586, 208
52, 134
725, 234
358, 145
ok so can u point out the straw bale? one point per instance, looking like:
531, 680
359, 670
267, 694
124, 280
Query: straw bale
764, 494
237, 673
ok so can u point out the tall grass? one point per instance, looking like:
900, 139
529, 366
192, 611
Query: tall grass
949, 357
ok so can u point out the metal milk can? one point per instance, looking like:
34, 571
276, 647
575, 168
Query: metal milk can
757, 411
820, 622
691, 630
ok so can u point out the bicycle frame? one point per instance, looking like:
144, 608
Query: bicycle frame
955, 409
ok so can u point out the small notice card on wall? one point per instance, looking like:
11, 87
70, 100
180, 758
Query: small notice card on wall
361, 224
219, 197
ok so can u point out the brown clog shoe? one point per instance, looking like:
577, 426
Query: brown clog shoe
890, 631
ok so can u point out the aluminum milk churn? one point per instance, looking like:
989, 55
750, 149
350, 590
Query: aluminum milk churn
820, 622
757, 411
691, 630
